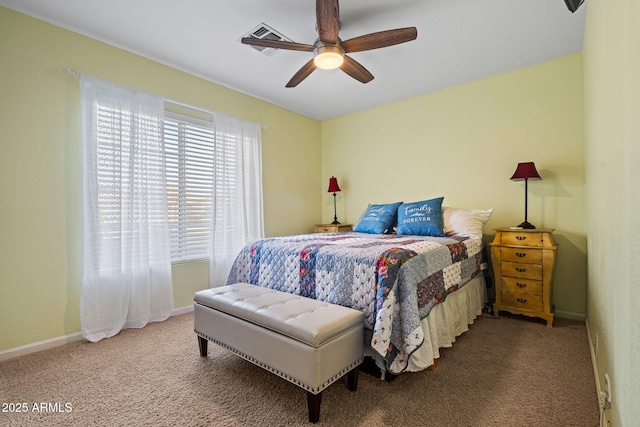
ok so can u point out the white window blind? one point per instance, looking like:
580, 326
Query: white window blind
128, 186
214, 185
190, 149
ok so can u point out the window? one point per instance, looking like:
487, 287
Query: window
161, 183
127, 145
190, 148
210, 204
205, 176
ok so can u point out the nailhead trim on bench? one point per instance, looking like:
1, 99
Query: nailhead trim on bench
282, 374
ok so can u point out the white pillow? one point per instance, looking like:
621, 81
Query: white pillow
465, 222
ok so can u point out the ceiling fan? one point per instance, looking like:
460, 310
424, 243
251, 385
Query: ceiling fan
329, 51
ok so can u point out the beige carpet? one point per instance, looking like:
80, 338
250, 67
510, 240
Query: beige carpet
510, 371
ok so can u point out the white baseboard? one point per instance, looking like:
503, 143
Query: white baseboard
182, 310
65, 339
39, 346
604, 421
570, 315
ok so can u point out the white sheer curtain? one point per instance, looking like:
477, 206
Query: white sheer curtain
236, 214
126, 279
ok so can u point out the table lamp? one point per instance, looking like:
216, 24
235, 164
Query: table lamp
526, 171
334, 188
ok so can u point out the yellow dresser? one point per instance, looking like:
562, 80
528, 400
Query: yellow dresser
523, 262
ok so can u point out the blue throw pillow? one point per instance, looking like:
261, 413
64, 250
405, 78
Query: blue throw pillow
421, 218
378, 219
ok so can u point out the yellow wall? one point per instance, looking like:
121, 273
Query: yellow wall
40, 169
612, 152
464, 143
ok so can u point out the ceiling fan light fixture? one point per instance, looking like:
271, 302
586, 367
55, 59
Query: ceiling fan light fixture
328, 57
329, 51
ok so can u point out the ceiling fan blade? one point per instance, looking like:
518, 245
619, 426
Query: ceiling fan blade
355, 70
328, 20
380, 39
302, 74
277, 44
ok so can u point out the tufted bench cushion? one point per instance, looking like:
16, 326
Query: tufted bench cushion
308, 342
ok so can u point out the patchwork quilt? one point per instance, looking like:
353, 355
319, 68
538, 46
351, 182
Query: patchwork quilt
394, 280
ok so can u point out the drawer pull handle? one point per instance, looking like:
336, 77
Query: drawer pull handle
520, 254
521, 237
521, 300
521, 285
521, 270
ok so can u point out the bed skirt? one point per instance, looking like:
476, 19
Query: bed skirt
447, 321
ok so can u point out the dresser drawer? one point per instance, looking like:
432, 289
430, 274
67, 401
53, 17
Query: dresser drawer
522, 301
533, 256
521, 239
520, 269
528, 286
333, 228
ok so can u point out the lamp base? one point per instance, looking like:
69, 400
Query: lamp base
527, 225
335, 213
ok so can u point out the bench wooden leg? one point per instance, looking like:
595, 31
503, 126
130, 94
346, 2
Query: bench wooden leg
352, 379
313, 402
202, 343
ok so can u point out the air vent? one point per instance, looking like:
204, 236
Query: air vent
263, 31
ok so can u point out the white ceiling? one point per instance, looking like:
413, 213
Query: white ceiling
458, 41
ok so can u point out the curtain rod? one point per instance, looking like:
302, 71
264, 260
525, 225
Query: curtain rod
76, 75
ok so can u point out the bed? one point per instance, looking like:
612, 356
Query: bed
417, 292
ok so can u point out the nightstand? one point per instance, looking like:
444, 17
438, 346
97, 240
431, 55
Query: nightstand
523, 262
333, 228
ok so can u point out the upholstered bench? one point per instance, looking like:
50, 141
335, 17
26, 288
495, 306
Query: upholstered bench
307, 342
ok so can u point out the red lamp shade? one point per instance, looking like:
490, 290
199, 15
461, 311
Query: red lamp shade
333, 185
525, 171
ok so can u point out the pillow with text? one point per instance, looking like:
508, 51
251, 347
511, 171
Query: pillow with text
422, 218
378, 219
